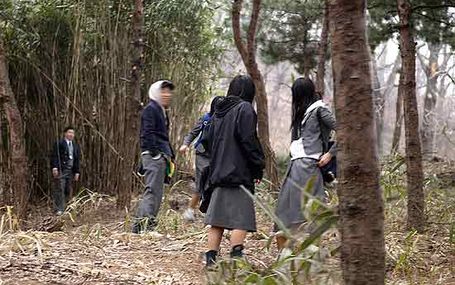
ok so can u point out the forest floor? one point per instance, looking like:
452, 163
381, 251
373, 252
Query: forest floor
91, 244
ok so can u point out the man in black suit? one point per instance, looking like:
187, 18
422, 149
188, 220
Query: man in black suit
65, 161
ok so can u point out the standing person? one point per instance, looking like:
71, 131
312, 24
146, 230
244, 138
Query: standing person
156, 155
65, 162
202, 156
312, 123
236, 159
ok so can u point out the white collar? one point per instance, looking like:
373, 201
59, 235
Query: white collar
315, 105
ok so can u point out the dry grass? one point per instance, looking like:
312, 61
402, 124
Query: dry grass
91, 244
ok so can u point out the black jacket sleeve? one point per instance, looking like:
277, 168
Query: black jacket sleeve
55, 161
192, 135
148, 127
247, 135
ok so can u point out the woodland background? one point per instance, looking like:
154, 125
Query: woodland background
89, 64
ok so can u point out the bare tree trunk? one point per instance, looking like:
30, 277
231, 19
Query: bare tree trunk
361, 205
379, 103
416, 199
398, 122
431, 95
322, 51
248, 54
133, 108
19, 166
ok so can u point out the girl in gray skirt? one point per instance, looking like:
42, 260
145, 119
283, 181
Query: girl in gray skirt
237, 160
312, 123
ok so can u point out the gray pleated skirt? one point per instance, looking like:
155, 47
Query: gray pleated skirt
289, 206
231, 208
202, 162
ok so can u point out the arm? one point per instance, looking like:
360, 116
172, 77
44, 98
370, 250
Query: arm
55, 156
246, 133
327, 118
194, 133
148, 126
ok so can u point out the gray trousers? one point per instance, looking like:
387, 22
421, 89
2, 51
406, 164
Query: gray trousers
62, 189
155, 172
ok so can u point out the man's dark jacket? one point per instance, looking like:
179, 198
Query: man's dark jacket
60, 156
237, 156
154, 130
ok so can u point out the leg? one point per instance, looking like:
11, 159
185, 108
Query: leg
215, 235
214, 240
237, 241
281, 242
155, 171
68, 186
58, 195
188, 215
201, 163
195, 198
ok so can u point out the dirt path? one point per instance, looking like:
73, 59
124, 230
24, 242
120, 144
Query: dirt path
95, 248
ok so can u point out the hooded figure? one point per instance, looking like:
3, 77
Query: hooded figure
156, 153
236, 160
155, 123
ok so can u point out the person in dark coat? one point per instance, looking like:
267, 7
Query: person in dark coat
194, 137
65, 165
312, 123
156, 154
236, 160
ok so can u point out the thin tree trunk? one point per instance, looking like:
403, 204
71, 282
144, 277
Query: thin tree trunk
322, 51
416, 199
379, 103
431, 95
398, 123
19, 167
248, 54
133, 108
361, 204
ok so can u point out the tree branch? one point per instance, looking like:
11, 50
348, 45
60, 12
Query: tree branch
251, 38
236, 8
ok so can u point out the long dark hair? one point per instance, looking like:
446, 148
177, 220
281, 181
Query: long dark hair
242, 86
303, 95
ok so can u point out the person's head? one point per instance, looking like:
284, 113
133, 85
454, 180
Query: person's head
161, 92
214, 104
68, 132
303, 95
242, 86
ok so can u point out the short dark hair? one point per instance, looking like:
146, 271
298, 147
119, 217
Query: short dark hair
67, 129
167, 84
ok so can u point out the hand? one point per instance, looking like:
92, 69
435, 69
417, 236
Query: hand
55, 172
325, 159
184, 149
76, 177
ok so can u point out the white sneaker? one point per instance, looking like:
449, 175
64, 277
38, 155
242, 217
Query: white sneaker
188, 215
59, 213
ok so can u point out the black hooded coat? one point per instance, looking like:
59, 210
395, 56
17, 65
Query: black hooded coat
237, 156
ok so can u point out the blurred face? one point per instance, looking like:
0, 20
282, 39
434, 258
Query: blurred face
166, 97
69, 135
